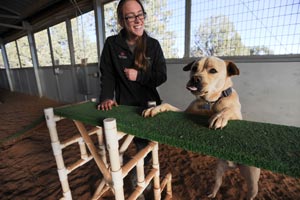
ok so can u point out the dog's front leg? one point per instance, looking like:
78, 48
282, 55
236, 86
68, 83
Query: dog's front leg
151, 112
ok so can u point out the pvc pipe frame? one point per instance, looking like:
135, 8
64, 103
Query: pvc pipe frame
114, 178
57, 151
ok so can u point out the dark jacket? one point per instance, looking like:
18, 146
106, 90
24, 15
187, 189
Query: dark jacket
115, 57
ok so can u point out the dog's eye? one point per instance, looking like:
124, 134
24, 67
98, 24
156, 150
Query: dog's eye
194, 69
213, 71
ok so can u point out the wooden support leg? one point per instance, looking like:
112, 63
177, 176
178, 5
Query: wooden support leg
100, 190
124, 147
93, 150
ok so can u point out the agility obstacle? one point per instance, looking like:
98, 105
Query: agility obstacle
267, 146
112, 169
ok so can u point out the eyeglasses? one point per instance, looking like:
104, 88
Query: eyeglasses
132, 18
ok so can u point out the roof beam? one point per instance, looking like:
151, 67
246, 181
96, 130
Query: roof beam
11, 26
25, 26
9, 16
9, 10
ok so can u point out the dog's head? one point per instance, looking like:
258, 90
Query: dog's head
209, 76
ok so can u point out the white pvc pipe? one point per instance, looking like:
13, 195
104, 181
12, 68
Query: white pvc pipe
82, 147
155, 165
101, 145
110, 130
56, 147
51, 124
140, 173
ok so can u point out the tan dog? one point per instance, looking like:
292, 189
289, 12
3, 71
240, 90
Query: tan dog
210, 81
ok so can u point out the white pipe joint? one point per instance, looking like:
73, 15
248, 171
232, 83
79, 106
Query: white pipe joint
117, 178
82, 148
63, 175
110, 130
110, 127
56, 148
49, 115
67, 195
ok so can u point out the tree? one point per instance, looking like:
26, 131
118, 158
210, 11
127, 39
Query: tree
43, 48
60, 46
84, 37
217, 36
11, 51
263, 50
84, 34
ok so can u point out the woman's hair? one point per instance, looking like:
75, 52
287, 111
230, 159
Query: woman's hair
140, 59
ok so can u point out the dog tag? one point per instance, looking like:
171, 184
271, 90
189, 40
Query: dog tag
206, 106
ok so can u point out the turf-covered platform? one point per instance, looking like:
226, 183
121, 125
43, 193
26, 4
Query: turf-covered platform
268, 146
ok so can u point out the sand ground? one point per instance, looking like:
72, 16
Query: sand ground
28, 169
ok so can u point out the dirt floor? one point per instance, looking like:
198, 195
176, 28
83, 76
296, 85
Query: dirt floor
28, 169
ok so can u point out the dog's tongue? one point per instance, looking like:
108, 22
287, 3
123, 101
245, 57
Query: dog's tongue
192, 88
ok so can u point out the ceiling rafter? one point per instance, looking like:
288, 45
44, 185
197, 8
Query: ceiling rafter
9, 10
9, 16
11, 26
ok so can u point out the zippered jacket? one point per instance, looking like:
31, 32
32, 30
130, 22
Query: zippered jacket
116, 56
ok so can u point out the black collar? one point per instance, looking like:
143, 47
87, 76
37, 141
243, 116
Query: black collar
225, 93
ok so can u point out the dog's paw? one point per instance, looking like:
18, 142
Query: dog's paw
151, 112
218, 121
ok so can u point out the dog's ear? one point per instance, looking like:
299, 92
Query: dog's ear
232, 68
189, 66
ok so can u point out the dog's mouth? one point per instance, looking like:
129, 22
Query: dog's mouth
192, 88
195, 88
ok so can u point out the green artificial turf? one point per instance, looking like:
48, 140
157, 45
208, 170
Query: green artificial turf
268, 146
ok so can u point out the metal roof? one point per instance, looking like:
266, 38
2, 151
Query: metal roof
17, 16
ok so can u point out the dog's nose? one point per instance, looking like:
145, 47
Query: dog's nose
197, 79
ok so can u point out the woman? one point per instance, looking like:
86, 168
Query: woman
132, 63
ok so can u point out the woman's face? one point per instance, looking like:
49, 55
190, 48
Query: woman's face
133, 20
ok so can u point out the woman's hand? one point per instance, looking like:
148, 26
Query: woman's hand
131, 74
107, 104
